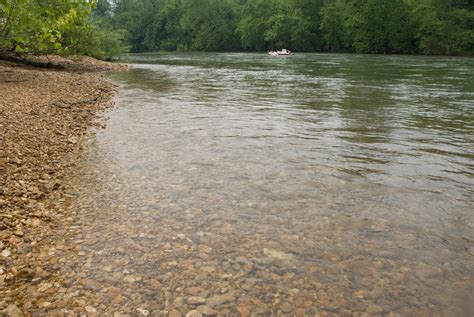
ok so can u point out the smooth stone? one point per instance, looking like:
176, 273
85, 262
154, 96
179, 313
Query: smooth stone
13, 311
260, 309
299, 312
208, 269
286, 308
193, 313
92, 285
90, 309
243, 310
195, 300
178, 302
207, 311
374, 309
194, 290
142, 311
278, 255
219, 300
345, 312
175, 313
425, 271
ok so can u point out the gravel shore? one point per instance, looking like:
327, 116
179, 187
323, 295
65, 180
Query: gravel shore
44, 113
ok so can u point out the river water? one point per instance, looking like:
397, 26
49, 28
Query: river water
249, 184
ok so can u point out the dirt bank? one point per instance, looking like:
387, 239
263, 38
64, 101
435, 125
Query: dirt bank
43, 115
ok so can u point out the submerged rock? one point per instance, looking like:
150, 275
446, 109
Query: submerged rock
13, 311
193, 313
195, 300
217, 300
207, 311
278, 255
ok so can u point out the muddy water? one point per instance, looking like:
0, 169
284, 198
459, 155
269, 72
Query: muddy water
239, 184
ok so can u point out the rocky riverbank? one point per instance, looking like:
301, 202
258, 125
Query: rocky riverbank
43, 115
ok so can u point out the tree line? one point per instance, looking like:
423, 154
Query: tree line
442, 27
107, 28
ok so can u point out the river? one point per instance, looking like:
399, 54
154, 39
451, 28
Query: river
312, 184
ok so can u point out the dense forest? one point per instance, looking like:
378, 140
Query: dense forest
365, 26
107, 28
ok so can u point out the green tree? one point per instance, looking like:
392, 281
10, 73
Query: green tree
443, 27
253, 24
135, 16
210, 24
164, 33
458, 18
311, 10
334, 24
382, 26
288, 28
103, 8
56, 26
429, 27
29, 26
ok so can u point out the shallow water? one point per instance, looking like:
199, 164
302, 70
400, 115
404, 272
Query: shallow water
318, 183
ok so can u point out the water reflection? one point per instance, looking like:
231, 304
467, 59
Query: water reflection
331, 184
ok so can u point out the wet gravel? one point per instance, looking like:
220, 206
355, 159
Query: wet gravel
44, 114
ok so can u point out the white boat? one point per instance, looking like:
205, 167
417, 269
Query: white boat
283, 52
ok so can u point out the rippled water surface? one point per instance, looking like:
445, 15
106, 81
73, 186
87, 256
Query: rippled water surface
330, 184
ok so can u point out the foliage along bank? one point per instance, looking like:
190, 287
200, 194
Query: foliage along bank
62, 27
443, 27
